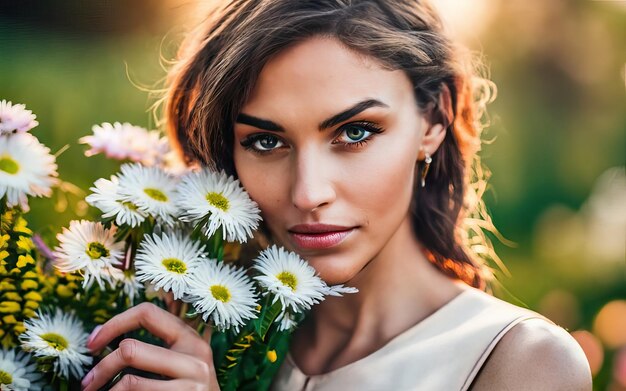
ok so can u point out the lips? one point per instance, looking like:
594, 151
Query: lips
317, 236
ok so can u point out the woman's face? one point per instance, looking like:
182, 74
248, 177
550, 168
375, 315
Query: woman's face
329, 137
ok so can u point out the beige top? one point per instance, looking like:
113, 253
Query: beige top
444, 351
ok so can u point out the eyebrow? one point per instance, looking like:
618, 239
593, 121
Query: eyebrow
330, 122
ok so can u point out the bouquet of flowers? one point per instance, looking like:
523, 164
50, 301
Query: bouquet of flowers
164, 230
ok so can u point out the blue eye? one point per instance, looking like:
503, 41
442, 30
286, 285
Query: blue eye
262, 143
357, 133
352, 135
266, 142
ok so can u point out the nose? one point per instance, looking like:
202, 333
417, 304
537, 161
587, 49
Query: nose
312, 185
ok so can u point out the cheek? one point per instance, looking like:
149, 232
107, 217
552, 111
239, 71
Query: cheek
385, 186
264, 183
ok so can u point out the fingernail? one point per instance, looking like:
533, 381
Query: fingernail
87, 379
93, 334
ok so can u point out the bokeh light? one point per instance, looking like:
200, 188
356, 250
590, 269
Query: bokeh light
592, 347
610, 324
619, 367
562, 307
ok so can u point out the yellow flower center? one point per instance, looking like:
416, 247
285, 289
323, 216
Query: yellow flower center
288, 279
155, 194
97, 250
5, 377
221, 293
9, 165
55, 340
129, 205
218, 201
175, 265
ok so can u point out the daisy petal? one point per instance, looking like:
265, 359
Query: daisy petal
150, 189
168, 261
26, 169
18, 372
290, 278
222, 292
124, 141
90, 248
108, 199
60, 336
15, 118
220, 198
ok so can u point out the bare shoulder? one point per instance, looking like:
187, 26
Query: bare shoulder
535, 355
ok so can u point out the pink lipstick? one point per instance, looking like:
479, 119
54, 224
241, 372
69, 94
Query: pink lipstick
318, 236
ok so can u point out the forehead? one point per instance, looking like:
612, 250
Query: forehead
320, 75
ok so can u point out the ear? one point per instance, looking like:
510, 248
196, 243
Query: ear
433, 137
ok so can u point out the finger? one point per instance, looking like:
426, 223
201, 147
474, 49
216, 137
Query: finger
147, 357
137, 383
171, 329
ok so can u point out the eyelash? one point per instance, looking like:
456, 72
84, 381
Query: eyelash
370, 127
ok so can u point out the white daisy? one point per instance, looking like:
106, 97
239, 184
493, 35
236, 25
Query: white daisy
151, 189
18, 372
15, 118
286, 321
88, 247
125, 141
224, 293
339, 290
127, 282
107, 198
167, 261
289, 278
220, 198
60, 336
26, 169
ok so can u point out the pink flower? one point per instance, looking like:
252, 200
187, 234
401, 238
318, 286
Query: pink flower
123, 141
15, 118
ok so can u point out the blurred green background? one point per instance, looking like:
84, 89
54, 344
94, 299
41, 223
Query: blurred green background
558, 186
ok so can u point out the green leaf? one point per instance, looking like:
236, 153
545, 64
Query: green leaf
197, 232
122, 232
267, 316
249, 365
219, 346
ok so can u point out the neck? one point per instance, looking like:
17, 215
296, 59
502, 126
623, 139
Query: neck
397, 289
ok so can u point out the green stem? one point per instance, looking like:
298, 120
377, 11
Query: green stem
3, 205
64, 385
216, 245
200, 328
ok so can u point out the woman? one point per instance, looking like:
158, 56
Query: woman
354, 126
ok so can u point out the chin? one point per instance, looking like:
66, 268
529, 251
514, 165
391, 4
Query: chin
334, 270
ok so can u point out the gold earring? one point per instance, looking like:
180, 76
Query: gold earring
427, 161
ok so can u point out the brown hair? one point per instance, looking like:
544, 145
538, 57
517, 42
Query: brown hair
219, 62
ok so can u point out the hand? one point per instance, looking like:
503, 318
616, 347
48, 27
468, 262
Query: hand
188, 361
